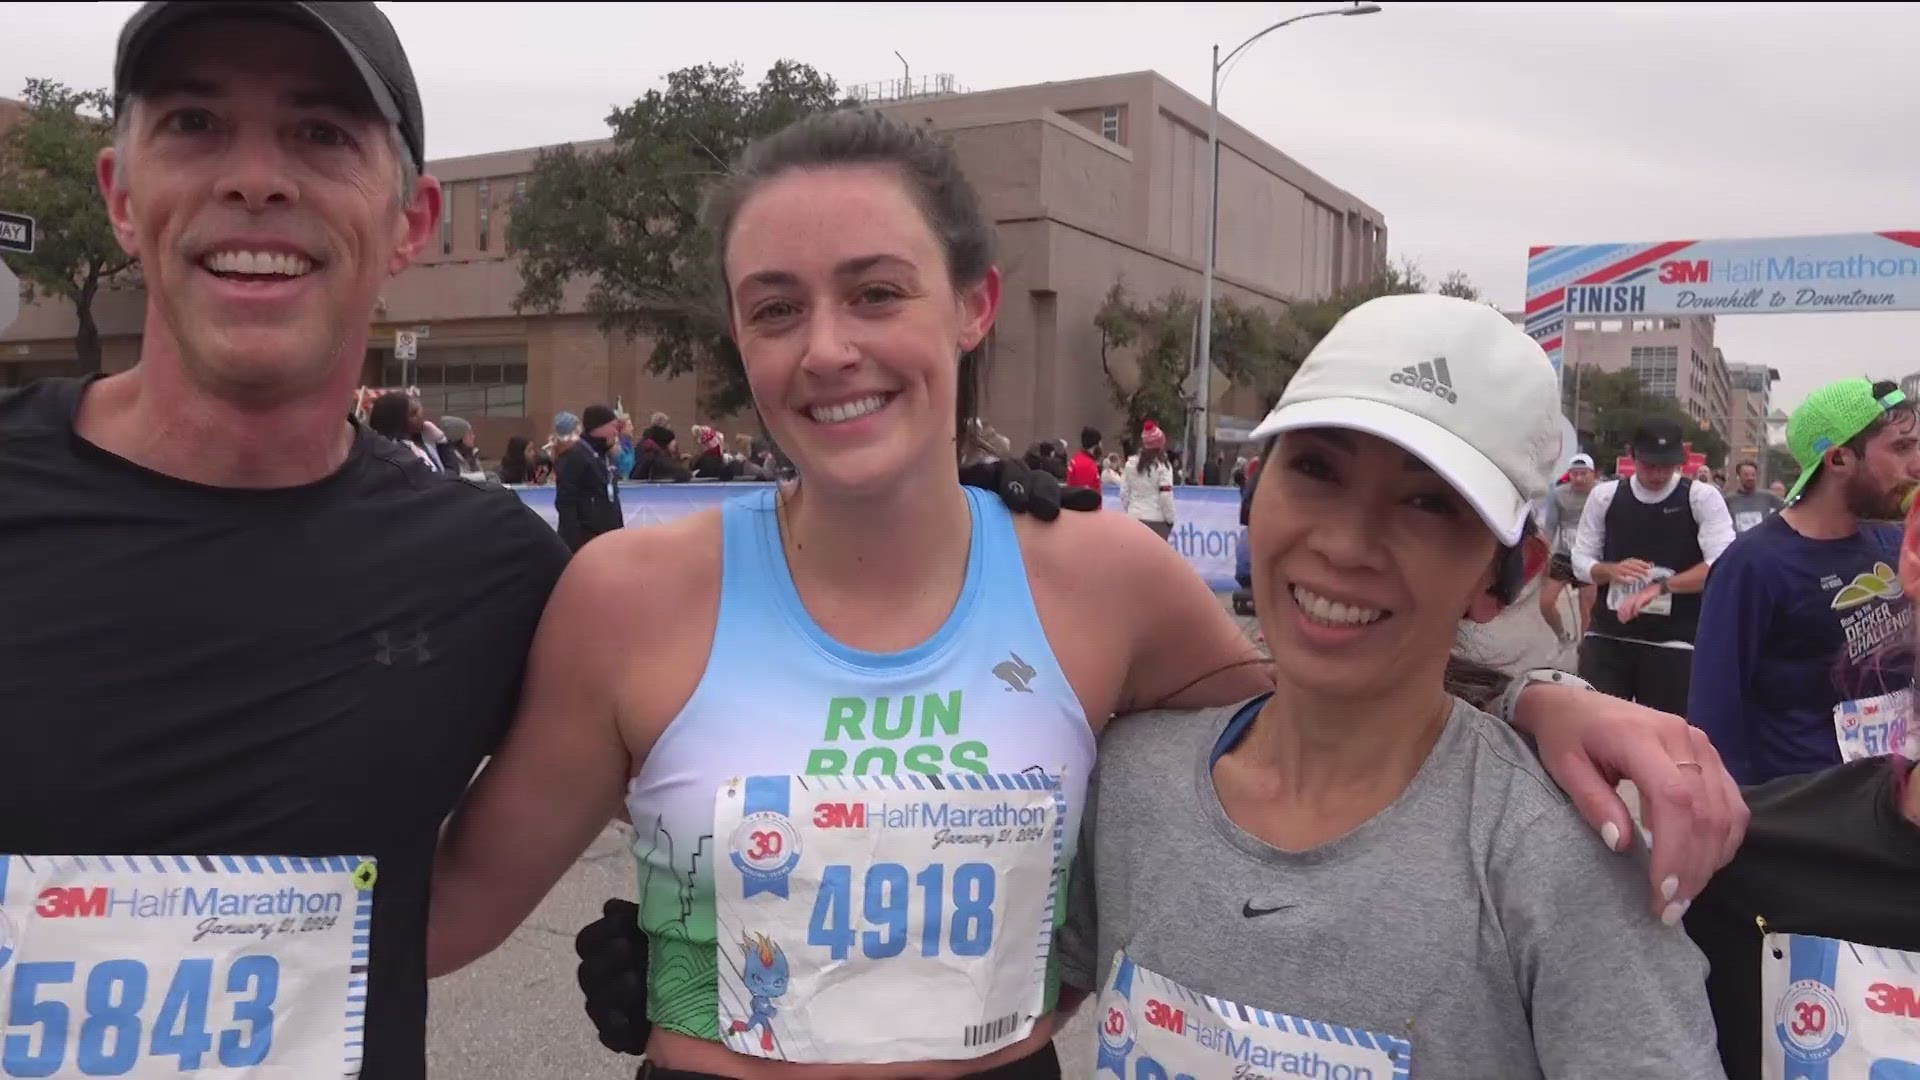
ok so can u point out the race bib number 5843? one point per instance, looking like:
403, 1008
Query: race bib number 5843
885, 918
158, 966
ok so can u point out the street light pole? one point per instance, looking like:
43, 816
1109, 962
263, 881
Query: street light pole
906, 76
1203, 350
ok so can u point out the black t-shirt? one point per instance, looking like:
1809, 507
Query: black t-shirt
307, 671
1827, 854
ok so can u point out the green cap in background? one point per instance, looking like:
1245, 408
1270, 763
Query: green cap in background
1831, 416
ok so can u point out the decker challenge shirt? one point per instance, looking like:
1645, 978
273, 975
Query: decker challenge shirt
1790, 628
234, 676
1829, 855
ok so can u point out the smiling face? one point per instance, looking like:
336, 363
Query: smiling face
1364, 562
263, 202
850, 326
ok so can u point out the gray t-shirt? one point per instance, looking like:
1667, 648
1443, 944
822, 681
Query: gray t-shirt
1477, 916
1751, 510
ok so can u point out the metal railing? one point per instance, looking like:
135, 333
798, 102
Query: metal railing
903, 89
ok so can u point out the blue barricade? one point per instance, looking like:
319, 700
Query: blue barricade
1206, 531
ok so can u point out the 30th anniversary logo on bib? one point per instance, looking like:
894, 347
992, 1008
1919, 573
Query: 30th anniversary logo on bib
885, 918
160, 966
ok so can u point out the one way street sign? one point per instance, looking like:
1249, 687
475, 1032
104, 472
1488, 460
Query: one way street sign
16, 233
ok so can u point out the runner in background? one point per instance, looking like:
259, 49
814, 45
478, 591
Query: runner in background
1809, 598
860, 286
1812, 932
1564, 505
1749, 503
1649, 540
1361, 849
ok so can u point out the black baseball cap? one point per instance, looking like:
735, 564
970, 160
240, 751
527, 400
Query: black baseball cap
360, 29
1659, 441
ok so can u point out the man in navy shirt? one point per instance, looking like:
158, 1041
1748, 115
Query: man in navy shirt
1805, 610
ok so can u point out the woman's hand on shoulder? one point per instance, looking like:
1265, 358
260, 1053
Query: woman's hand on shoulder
1691, 805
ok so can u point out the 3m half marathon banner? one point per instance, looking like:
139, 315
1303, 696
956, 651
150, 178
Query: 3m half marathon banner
1206, 531
1778, 275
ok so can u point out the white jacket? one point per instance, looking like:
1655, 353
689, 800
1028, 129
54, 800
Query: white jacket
1147, 496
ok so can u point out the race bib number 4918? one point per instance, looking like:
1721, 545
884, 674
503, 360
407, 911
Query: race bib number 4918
154, 966
885, 918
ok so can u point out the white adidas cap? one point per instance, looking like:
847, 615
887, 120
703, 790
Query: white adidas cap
1450, 381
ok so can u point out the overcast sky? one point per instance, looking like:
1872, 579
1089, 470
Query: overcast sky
1478, 129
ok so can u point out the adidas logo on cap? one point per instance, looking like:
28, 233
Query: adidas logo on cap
1430, 376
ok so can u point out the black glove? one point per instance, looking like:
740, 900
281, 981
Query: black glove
1028, 491
613, 974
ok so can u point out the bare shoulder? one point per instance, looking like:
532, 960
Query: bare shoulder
1094, 576
647, 601
1086, 550
652, 564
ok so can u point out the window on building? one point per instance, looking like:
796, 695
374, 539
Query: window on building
1658, 367
446, 221
520, 189
468, 380
1641, 326
1611, 326
1583, 324
484, 200
1110, 124
1671, 324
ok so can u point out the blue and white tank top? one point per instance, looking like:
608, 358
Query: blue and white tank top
779, 696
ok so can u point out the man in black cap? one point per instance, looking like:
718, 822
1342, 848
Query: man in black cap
586, 493
239, 700
1650, 548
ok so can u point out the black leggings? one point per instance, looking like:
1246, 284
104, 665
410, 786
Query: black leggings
1042, 1064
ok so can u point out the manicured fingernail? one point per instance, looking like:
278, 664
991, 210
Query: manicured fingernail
1669, 887
1610, 835
1675, 912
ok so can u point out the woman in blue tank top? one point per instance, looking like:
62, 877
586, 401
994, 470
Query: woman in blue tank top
857, 771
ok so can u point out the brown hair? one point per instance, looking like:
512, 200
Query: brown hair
932, 176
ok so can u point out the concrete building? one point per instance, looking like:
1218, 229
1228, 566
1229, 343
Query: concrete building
1090, 182
1675, 358
1752, 402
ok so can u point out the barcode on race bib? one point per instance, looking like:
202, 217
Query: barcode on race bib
990, 1033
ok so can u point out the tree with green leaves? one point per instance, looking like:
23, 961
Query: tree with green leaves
1612, 403
625, 218
47, 172
1159, 335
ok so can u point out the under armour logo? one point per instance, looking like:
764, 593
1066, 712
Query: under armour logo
1015, 672
410, 650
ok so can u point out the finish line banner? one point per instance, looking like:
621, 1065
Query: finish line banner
1206, 530
1775, 275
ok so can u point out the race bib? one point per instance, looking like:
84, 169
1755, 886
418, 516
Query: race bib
885, 918
1619, 591
1876, 726
155, 966
1833, 1010
1747, 519
1152, 1028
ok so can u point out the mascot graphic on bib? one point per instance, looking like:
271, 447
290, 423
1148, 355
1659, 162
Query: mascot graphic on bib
765, 974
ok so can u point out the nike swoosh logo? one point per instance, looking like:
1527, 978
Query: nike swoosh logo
1251, 912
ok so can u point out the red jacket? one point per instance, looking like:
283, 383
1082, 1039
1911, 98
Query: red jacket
1083, 471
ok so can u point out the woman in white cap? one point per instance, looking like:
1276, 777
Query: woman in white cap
1361, 870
